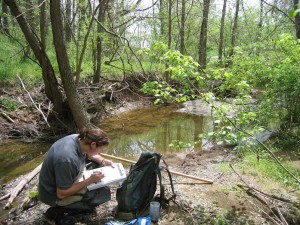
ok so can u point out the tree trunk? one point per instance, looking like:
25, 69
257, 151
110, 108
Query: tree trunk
3, 18
50, 81
30, 19
260, 23
68, 21
101, 17
81, 56
234, 28
161, 17
170, 23
30, 13
43, 23
297, 19
155, 32
78, 112
182, 28
170, 3
203, 36
221, 41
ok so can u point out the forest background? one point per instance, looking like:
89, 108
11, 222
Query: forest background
170, 51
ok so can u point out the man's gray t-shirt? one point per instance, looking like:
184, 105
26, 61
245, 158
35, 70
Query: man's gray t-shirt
62, 164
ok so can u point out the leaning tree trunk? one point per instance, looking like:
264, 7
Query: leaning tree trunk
50, 81
78, 112
203, 36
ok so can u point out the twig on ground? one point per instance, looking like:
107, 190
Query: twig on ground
4, 114
253, 192
40, 111
264, 212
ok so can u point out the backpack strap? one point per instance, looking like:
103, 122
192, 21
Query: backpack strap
162, 199
171, 180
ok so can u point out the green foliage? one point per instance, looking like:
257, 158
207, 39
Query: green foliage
274, 66
224, 167
33, 195
183, 70
215, 216
9, 104
288, 138
233, 124
180, 145
294, 12
267, 167
13, 63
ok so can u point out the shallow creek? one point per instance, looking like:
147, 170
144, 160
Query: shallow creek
163, 129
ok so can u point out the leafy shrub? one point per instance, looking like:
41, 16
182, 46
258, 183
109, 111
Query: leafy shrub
274, 67
183, 70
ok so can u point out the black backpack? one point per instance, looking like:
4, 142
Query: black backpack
139, 188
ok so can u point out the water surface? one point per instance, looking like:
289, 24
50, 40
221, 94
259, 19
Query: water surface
161, 129
154, 129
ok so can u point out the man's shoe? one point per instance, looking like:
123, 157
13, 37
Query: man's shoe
65, 220
80, 211
54, 212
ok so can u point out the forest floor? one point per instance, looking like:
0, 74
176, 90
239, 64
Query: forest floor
234, 197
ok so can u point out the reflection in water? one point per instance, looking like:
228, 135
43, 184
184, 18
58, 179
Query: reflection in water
154, 129
150, 129
18, 158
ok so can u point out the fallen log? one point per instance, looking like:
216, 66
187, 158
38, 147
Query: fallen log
21, 185
4, 197
205, 181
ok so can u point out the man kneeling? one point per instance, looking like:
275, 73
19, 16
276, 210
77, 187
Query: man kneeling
60, 185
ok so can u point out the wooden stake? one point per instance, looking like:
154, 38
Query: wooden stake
206, 181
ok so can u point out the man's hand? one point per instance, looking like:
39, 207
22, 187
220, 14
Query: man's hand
106, 162
96, 176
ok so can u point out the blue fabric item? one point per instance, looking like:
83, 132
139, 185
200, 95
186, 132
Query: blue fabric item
138, 221
144, 221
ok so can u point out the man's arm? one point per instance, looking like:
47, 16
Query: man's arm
100, 160
76, 187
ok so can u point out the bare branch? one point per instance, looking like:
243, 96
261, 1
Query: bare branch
40, 111
279, 10
121, 38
